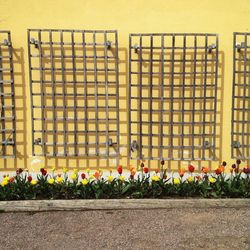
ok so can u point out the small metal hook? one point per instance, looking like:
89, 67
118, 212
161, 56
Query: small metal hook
207, 144
35, 42
8, 141
110, 142
38, 141
211, 47
240, 46
6, 42
236, 144
108, 44
134, 146
136, 48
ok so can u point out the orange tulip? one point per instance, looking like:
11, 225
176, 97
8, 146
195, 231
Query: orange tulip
157, 170
198, 177
97, 174
133, 171
205, 170
181, 172
219, 170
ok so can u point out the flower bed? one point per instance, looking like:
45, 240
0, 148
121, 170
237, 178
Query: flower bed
145, 184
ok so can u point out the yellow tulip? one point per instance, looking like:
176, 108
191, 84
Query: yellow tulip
91, 177
73, 177
59, 179
85, 182
33, 182
110, 178
6, 178
212, 180
122, 178
65, 170
155, 178
51, 181
190, 179
177, 181
4, 183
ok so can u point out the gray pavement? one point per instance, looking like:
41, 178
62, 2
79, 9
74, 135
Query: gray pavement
218, 228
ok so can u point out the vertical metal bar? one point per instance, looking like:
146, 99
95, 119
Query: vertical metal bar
42, 89
117, 94
150, 96
64, 93
193, 96
74, 90
53, 91
129, 98
12, 93
85, 94
183, 97
162, 97
244, 98
140, 98
2, 106
204, 99
171, 97
106, 92
215, 96
96, 96
31, 94
233, 96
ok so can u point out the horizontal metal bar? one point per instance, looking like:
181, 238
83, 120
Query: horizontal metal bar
72, 30
173, 34
70, 82
73, 69
70, 57
71, 144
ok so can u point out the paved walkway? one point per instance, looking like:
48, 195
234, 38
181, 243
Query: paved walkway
217, 228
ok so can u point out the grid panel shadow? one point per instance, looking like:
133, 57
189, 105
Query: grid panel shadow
173, 96
7, 106
241, 96
74, 92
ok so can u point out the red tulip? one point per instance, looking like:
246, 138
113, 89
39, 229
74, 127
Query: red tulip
119, 169
246, 170
43, 171
12, 179
19, 171
191, 168
29, 178
145, 170
83, 176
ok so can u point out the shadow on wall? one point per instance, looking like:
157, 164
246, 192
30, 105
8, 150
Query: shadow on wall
21, 113
241, 127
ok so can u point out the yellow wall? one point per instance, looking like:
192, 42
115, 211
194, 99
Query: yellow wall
212, 16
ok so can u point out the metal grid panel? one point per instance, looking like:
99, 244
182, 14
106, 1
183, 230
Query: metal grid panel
74, 92
241, 96
173, 96
8, 125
